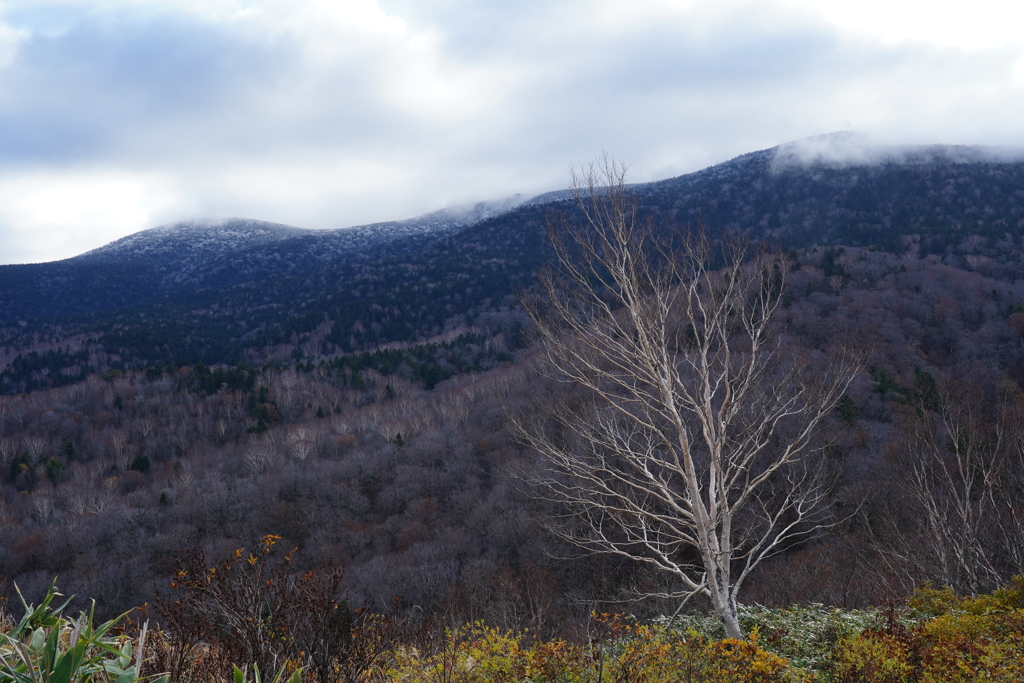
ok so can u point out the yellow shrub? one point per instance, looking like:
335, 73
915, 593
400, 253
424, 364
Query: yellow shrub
1002, 601
966, 639
467, 655
873, 658
637, 654
495, 656
742, 660
1004, 661
553, 661
956, 628
934, 601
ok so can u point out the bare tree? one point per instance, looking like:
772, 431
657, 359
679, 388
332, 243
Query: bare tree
302, 441
75, 498
453, 409
959, 465
105, 496
35, 446
8, 449
121, 445
685, 442
42, 506
143, 426
259, 457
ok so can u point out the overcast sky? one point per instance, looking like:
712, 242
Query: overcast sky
120, 115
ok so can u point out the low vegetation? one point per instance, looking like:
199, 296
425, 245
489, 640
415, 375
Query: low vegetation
935, 636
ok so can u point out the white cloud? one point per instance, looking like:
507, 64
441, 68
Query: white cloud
951, 23
10, 40
322, 113
48, 215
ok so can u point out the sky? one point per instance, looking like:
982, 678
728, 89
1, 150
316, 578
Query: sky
120, 115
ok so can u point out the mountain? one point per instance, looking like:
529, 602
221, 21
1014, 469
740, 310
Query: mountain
180, 251
176, 260
245, 291
839, 189
374, 462
183, 252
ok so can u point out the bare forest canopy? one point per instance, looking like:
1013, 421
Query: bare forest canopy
354, 399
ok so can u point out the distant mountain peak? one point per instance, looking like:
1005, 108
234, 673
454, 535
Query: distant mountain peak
212, 238
408, 277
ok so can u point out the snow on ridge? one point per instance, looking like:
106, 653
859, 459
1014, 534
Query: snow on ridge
219, 235
213, 237
460, 215
474, 212
187, 243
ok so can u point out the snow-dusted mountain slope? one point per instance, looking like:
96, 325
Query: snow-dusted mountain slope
170, 261
216, 252
190, 240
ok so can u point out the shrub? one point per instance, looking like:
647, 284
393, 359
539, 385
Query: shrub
249, 609
956, 640
624, 653
876, 658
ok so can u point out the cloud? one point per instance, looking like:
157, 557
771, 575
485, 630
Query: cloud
852, 148
43, 212
948, 23
326, 113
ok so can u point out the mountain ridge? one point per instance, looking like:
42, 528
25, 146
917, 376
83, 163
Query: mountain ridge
329, 292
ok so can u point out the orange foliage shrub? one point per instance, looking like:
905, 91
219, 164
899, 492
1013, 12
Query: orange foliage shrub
959, 640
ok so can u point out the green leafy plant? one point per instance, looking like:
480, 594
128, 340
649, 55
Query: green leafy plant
47, 647
806, 635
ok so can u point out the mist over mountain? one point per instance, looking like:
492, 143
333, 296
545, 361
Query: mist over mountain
850, 148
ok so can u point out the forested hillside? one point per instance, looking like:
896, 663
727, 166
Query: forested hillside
398, 464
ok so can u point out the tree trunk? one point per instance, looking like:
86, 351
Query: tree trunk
725, 608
